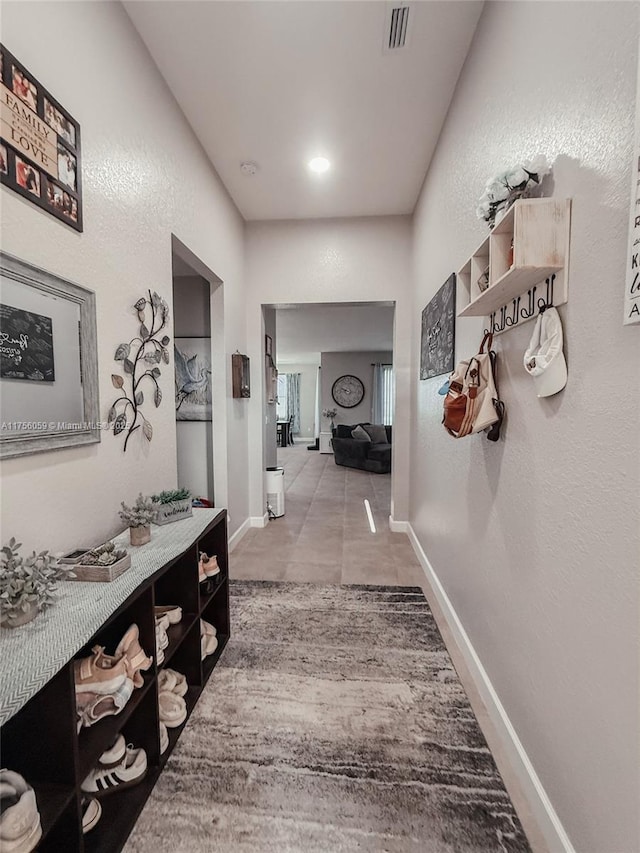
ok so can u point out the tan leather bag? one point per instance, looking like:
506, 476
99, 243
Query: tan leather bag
472, 403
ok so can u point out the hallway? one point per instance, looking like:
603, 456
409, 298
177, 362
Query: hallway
324, 536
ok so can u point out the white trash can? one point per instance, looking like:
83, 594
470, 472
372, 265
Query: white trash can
274, 487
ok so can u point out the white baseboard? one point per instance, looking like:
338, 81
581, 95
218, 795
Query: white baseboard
398, 526
259, 520
240, 532
548, 821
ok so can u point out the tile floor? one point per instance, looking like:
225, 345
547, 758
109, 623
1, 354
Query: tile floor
324, 537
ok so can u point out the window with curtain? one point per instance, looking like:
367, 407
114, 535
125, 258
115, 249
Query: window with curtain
283, 401
383, 393
289, 400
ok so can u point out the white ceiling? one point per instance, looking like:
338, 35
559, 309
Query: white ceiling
304, 331
281, 82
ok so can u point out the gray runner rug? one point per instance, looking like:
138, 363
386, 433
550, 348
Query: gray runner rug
334, 722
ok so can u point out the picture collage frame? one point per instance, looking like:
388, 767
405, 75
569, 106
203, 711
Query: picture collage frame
40, 152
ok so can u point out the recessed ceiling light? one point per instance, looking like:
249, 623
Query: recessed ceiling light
319, 164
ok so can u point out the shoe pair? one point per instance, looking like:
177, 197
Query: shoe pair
172, 687
172, 709
172, 681
165, 616
20, 828
208, 639
162, 641
116, 769
104, 683
207, 567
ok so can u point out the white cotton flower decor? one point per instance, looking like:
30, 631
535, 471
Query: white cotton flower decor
509, 185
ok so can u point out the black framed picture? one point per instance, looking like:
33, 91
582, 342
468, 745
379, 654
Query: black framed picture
39, 144
437, 345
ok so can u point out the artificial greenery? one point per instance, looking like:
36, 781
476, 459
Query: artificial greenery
140, 358
171, 495
27, 582
105, 555
141, 514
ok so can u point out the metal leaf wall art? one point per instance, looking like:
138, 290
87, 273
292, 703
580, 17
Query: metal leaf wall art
140, 359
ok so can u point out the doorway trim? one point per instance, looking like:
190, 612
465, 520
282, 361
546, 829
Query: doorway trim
218, 369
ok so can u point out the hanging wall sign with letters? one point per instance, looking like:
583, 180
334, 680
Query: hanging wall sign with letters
39, 144
438, 332
632, 288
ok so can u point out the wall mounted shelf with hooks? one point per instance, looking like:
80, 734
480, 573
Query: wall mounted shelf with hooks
530, 244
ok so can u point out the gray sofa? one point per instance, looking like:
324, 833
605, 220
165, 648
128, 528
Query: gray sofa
359, 453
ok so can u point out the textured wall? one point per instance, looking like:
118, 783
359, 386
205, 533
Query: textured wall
535, 538
333, 260
145, 177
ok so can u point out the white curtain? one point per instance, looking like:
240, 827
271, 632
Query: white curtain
316, 425
293, 401
382, 397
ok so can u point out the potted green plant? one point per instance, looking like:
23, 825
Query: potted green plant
172, 505
104, 563
138, 518
27, 584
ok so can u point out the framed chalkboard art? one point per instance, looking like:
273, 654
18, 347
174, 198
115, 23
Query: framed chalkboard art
438, 332
39, 144
48, 361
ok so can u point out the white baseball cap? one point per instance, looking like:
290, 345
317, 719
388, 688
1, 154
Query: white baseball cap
544, 359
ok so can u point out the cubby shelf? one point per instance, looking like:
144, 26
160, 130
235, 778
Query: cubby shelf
94, 740
176, 635
53, 800
41, 740
529, 244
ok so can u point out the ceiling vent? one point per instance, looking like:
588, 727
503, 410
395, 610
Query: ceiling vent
396, 30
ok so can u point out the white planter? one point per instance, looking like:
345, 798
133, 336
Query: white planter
175, 511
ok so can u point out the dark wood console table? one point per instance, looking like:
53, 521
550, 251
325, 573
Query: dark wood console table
39, 736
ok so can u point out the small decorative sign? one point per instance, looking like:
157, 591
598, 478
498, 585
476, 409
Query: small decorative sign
438, 332
26, 345
632, 290
39, 144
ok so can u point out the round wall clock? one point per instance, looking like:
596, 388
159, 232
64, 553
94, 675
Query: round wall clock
347, 391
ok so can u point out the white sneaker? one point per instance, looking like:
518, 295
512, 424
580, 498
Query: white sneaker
20, 829
163, 622
114, 755
208, 639
172, 708
173, 613
130, 771
173, 681
164, 738
162, 638
91, 814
